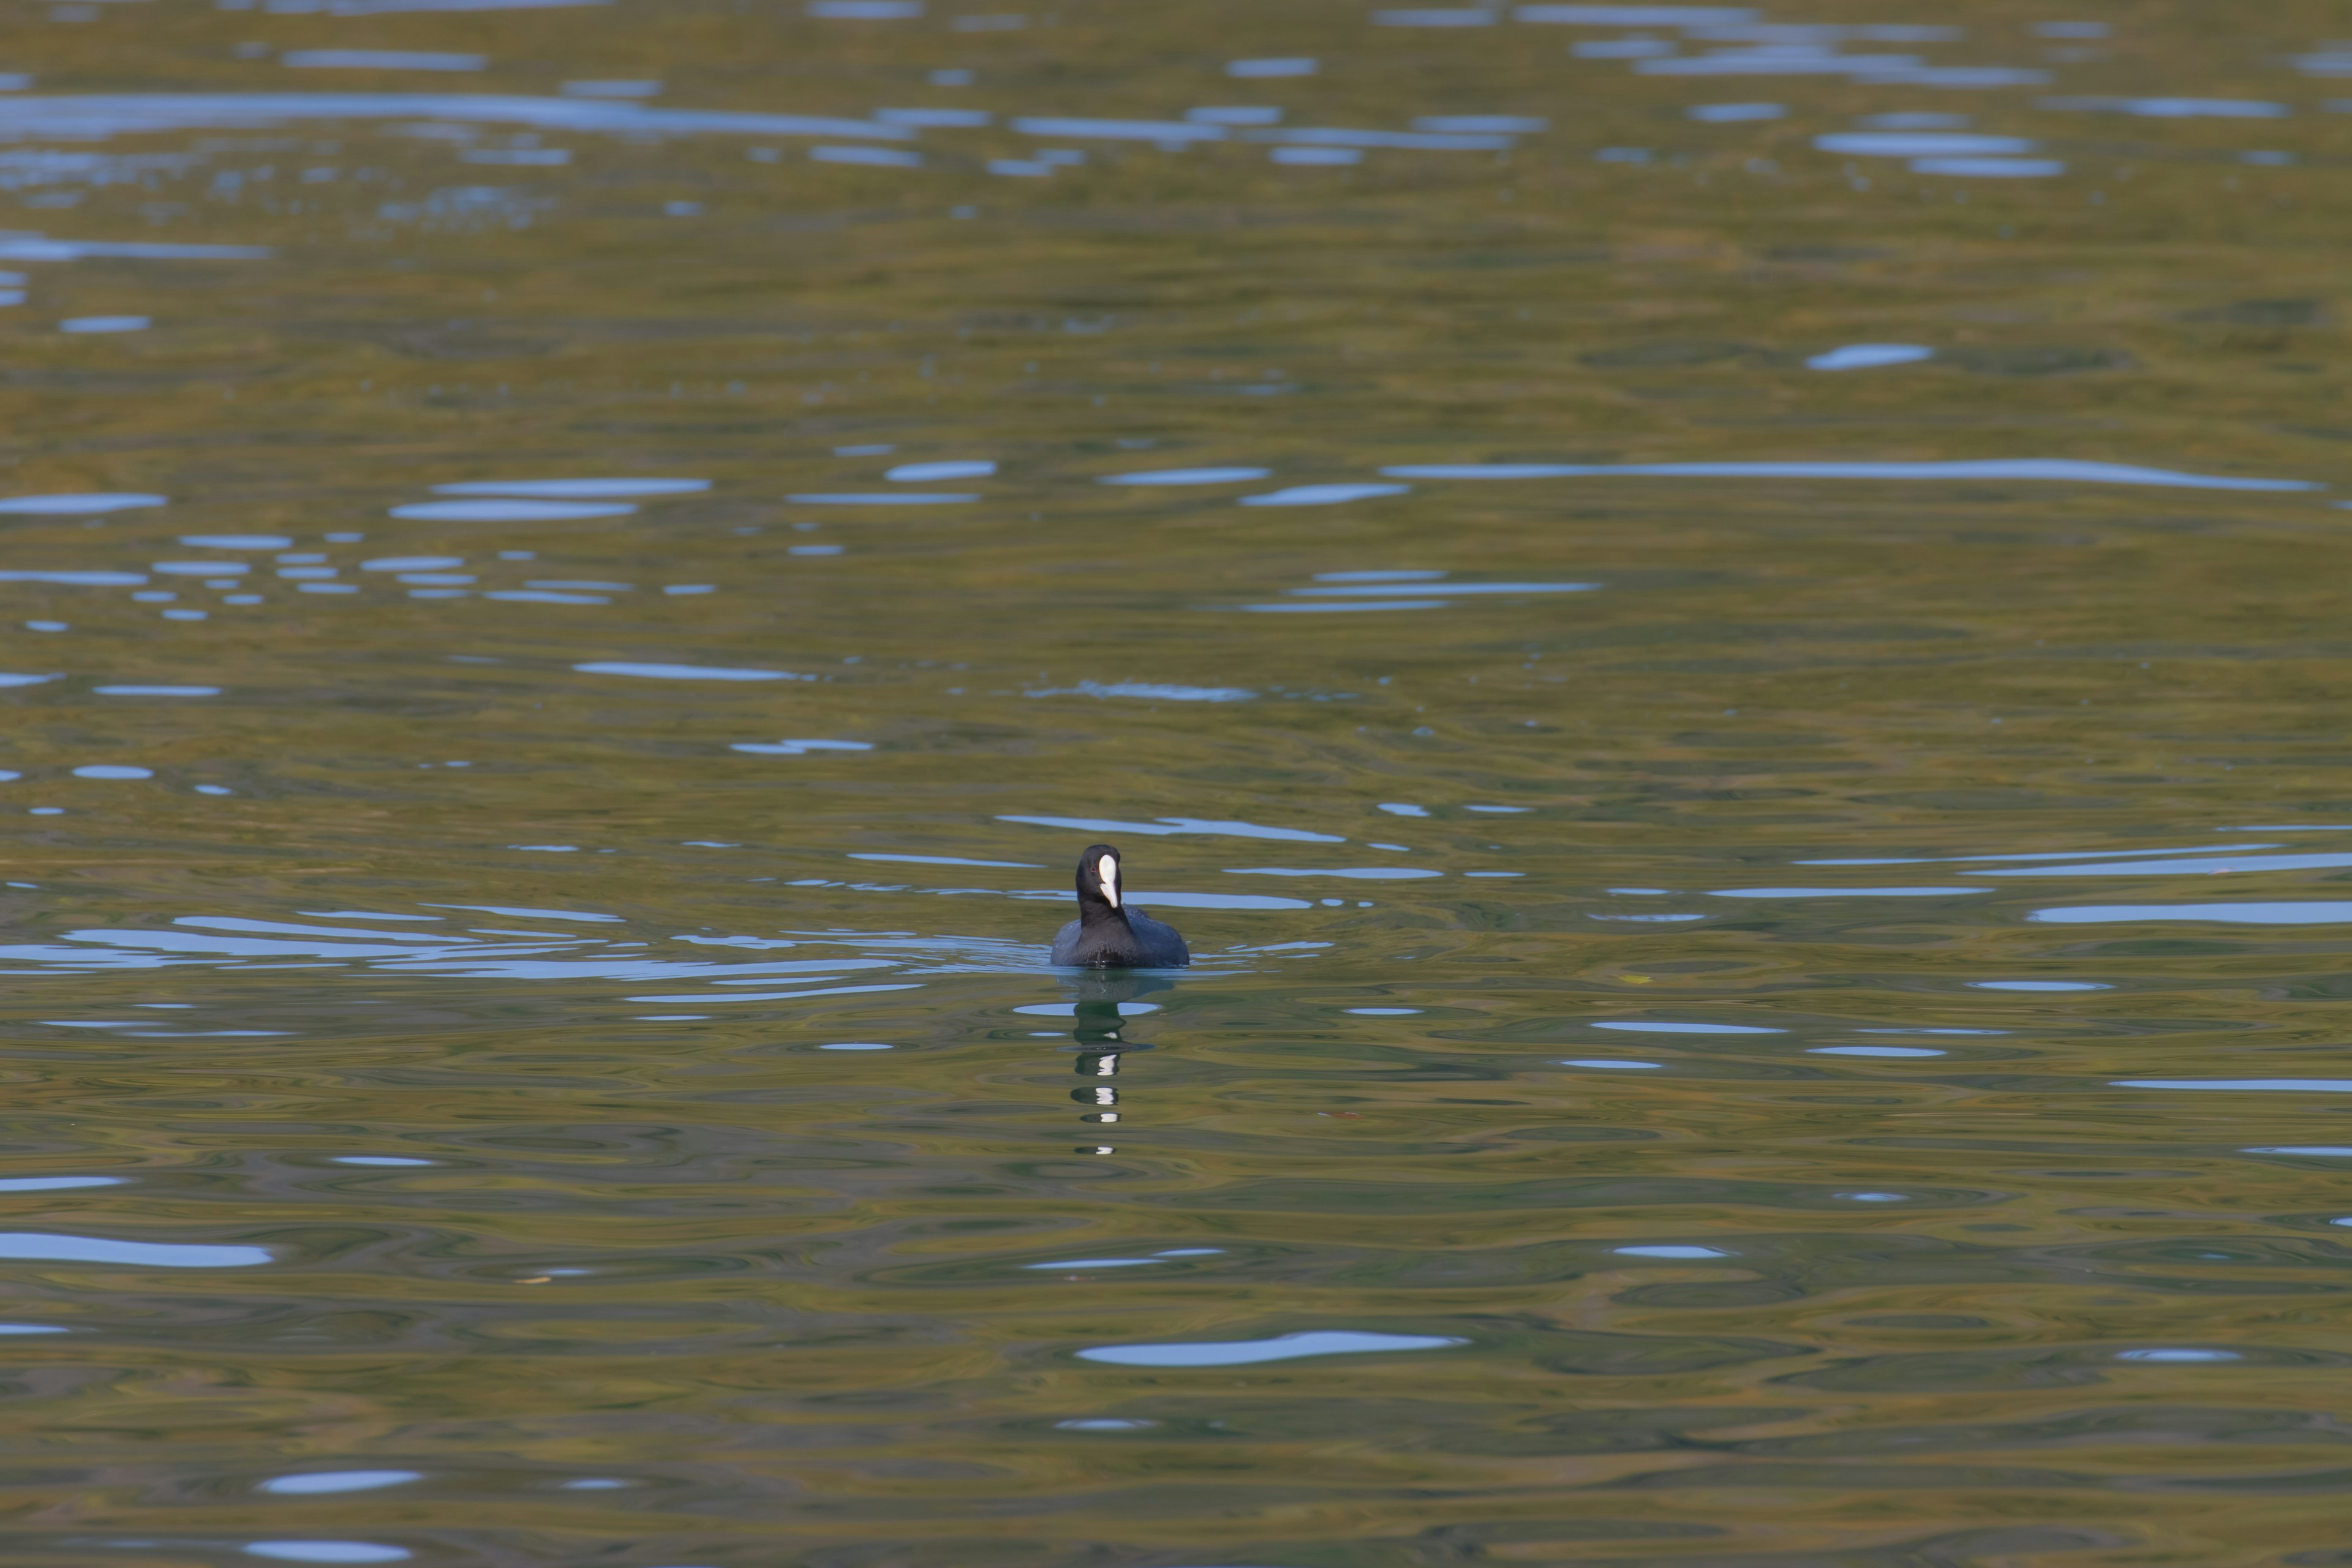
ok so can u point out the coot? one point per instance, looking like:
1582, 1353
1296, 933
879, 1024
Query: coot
1109, 935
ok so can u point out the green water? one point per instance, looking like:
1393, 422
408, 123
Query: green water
1764, 1015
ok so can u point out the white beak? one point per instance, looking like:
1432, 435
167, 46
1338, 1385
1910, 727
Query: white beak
1106, 872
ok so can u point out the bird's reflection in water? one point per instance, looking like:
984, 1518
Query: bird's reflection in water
1099, 1027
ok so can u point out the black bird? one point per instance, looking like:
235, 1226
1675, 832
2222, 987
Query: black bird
1109, 935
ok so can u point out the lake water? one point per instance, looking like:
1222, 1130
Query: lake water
1725, 628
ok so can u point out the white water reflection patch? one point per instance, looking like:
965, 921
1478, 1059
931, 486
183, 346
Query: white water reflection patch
1248, 1352
2177, 107
1169, 824
1990, 168
1104, 1423
1870, 356
323, 1483
530, 955
1646, 1026
1672, 1252
280, 928
573, 489
38, 1247
1839, 892
1354, 590
1874, 1051
1213, 901
38, 247
327, 1551
77, 505
1154, 691
1288, 65
97, 115
1919, 143
2209, 867
525, 912
959, 119
927, 473
1160, 130
2058, 470
801, 747
512, 509
880, 157
1324, 495
1186, 477
1351, 873
1336, 137
683, 672
2314, 911
381, 59
194, 943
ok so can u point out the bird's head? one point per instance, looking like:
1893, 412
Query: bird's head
1098, 876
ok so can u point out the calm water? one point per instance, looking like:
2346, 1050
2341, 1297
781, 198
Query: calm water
1726, 629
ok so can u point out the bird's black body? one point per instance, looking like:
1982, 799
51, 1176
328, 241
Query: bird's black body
1107, 934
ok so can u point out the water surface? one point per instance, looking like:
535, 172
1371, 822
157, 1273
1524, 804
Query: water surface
1724, 627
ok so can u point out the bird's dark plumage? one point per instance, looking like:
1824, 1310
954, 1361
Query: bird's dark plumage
1108, 933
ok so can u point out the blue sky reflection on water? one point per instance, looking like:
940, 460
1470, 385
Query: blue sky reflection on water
580, 575
1282, 1347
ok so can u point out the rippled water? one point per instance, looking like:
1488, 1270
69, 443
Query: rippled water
1724, 628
